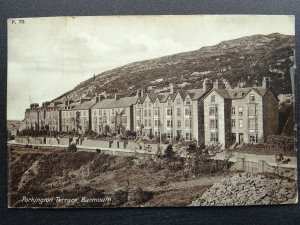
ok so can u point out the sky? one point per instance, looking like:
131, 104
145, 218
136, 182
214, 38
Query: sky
49, 56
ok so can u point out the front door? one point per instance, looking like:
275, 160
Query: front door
241, 138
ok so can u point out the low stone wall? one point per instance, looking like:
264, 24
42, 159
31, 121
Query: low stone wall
95, 143
262, 167
133, 146
64, 141
51, 141
22, 140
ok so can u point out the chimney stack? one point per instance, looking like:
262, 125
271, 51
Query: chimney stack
99, 98
207, 84
219, 84
171, 88
266, 82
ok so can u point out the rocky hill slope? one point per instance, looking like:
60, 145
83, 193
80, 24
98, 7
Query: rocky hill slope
242, 61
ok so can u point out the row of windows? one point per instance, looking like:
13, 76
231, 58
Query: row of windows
72, 113
252, 123
170, 135
169, 102
252, 110
104, 112
253, 138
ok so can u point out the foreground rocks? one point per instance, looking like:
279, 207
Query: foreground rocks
248, 189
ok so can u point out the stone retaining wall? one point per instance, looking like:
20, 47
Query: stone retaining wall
262, 167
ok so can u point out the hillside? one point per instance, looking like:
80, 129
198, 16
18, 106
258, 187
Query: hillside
241, 61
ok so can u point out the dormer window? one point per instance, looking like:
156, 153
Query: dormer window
169, 102
188, 101
178, 101
252, 98
213, 98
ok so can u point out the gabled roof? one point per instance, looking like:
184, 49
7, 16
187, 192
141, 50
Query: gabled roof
223, 92
113, 103
197, 93
84, 105
238, 93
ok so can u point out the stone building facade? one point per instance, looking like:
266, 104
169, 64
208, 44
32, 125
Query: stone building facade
76, 116
113, 115
240, 115
32, 117
177, 114
213, 114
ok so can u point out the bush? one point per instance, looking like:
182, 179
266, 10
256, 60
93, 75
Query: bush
286, 143
139, 196
169, 152
72, 148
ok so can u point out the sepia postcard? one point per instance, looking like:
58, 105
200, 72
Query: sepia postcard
151, 111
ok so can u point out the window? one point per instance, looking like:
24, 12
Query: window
188, 136
188, 124
169, 102
241, 123
253, 138
149, 112
233, 111
252, 123
112, 119
112, 111
95, 112
178, 124
188, 101
156, 123
178, 111
252, 110
232, 123
178, 101
252, 98
149, 104
145, 112
213, 111
169, 123
169, 112
188, 112
138, 122
156, 112
104, 112
212, 98
100, 112
138, 112
149, 123
156, 103
214, 137
213, 124
240, 111
146, 123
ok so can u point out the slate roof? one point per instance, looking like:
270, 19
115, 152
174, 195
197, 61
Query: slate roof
196, 93
113, 103
84, 105
239, 93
